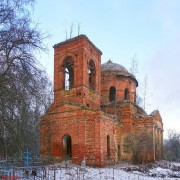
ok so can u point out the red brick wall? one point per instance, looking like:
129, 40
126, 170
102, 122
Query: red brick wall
134, 120
88, 131
88, 117
81, 51
120, 83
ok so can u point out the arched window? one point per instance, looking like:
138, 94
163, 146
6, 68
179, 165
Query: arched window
108, 146
69, 73
126, 94
112, 94
67, 145
67, 83
92, 74
135, 97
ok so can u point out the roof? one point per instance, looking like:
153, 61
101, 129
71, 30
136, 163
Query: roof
113, 68
110, 66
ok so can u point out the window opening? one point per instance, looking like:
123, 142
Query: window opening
112, 94
119, 156
108, 146
67, 83
126, 93
92, 74
69, 73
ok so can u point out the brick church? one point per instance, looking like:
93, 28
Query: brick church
94, 115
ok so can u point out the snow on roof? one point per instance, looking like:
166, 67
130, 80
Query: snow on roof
110, 66
113, 68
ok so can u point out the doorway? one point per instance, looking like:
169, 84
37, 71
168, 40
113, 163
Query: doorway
67, 144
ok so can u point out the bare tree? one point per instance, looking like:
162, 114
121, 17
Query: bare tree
145, 92
138, 145
66, 34
172, 146
139, 101
24, 87
134, 66
71, 30
134, 70
78, 27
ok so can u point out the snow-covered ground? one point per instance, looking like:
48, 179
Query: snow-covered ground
121, 171
105, 174
161, 170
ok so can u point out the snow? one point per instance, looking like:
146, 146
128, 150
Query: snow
99, 174
116, 172
65, 170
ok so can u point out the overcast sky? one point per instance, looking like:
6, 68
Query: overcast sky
122, 29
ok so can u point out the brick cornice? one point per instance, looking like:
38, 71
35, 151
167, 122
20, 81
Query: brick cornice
82, 36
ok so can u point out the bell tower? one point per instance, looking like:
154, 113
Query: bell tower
77, 72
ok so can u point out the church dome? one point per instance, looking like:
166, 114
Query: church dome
110, 66
113, 68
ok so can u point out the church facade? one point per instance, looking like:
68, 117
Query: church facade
94, 115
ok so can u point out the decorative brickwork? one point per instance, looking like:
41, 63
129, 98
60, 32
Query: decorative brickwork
94, 113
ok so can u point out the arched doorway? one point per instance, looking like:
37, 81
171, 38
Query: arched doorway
67, 145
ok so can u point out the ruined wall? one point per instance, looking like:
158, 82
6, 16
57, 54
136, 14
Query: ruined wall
153, 125
120, 83
134, 121
88, 131
80, 51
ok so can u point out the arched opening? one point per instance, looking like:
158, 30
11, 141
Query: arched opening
112, 94
126, 94
119, 153
68, 73
135, 98
92, 74
67, 145
67, 83
108, 146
